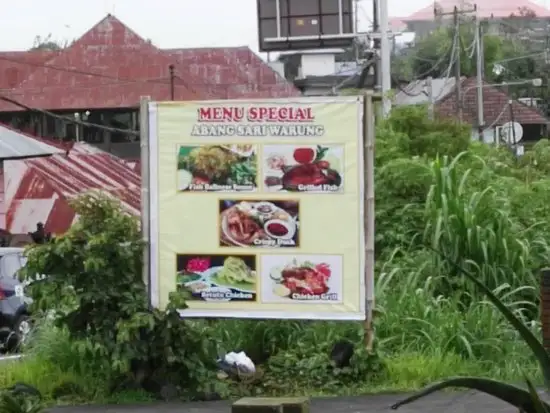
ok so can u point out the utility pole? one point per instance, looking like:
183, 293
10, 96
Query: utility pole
430, 93
172, 82
456, 13
457, 48
479, 74
376, 44
385, 55
356, 27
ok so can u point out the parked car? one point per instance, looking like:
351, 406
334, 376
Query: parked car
15, 323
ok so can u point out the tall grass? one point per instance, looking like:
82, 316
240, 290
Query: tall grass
431, 324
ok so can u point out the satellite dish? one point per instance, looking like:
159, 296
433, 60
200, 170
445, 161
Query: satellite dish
511, 133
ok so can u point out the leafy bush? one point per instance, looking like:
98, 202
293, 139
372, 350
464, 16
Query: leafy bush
95, 287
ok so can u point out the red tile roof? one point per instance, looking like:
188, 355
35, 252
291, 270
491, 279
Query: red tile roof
495, 106
485, 9
38, 190
111, 66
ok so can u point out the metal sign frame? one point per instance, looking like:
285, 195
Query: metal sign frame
280, 42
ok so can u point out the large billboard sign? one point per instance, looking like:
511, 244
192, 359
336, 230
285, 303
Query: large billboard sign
285, 25
257, 207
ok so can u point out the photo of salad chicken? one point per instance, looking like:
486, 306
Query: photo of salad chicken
217, 277
208, 168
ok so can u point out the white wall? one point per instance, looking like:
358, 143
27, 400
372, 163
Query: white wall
317, 65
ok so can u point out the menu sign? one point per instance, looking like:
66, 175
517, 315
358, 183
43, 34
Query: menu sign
257, 207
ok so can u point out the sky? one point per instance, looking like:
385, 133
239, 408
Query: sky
168, 23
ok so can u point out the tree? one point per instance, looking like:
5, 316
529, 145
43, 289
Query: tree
431, 56
48, 43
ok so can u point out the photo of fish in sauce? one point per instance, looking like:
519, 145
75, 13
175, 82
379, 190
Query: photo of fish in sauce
271, 224
303, 168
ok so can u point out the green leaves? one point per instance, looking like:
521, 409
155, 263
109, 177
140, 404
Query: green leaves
516, 396
94, 285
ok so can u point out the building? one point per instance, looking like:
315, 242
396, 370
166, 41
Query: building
101, 76
40, 189
501, 16
498, 107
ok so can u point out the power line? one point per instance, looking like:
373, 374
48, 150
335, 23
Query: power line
67, 118
80, 72
452, 59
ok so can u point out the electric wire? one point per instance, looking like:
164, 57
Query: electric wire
80, 72
68, 118
452, 59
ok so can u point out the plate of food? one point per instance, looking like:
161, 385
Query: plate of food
243, 150
312, 168
304, 280
260, 224
234, 276
217, 168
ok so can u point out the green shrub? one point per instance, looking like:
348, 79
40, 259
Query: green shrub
94, 285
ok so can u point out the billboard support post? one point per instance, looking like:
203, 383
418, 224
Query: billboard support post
368, 157
145, 194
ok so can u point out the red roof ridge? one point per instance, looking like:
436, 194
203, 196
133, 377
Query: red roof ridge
92, 37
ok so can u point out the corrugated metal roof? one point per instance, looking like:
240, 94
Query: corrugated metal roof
126, 66
17, 145
485, 9
495, 104
17, 66
416, 92
232, 72
38, 190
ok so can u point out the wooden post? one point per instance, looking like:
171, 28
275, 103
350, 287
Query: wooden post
368, 157
545, 306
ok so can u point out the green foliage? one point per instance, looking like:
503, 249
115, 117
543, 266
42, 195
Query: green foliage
94, 285
435, 190
436, 47
11, 403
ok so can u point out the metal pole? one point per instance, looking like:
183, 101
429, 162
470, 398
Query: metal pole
512, 120
77, 126
457, 65
145, 213
278, 17
376, 44
385, 51
368, 151
172, 82
356, 30
340, 17
479, 74
430, 91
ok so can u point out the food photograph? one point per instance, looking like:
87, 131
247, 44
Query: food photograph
301, 278
303, 168
210, 168
270, 224
217, 277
